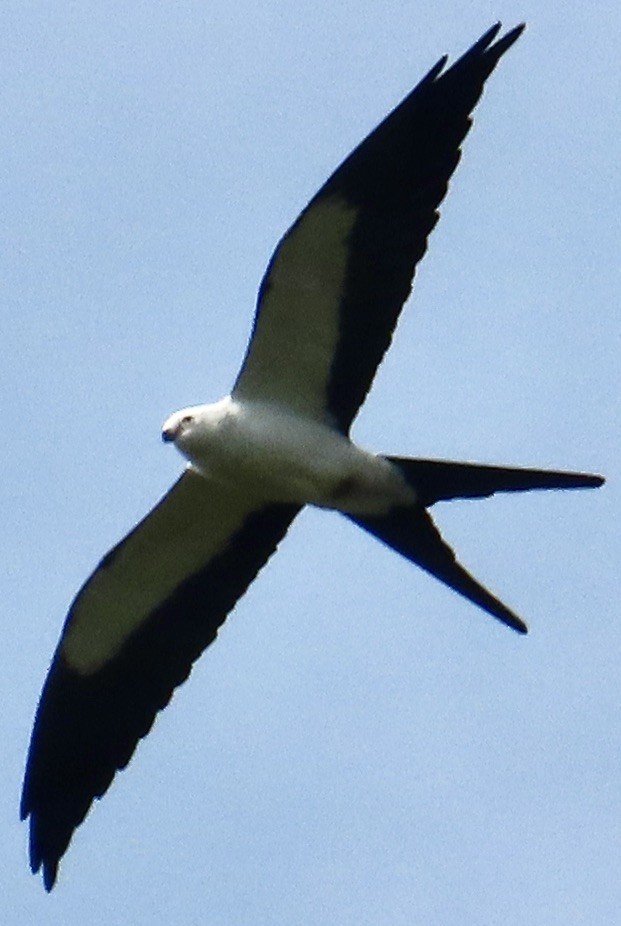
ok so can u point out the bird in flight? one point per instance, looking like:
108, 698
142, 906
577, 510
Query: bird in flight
326, 311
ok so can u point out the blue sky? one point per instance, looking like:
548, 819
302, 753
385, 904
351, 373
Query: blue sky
360, 746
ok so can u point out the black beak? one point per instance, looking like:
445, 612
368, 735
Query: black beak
169, 434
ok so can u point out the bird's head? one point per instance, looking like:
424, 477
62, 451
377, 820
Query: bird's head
194, 430
180, 426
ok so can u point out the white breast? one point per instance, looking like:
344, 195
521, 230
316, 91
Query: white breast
292, 458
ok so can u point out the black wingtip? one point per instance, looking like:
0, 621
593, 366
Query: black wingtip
48, 867
49, 875
514, 34
501, 46
504, 44
483, 46
488, 37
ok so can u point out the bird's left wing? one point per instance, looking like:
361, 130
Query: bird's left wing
145, 615
335, 286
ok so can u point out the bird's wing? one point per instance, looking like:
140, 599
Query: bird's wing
145, 615
338, 280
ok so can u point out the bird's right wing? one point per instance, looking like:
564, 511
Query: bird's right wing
145, 615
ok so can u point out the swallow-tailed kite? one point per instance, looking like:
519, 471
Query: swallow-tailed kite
326, 311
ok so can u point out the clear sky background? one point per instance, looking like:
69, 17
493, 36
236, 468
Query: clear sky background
360, 746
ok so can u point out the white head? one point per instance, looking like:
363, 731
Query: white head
193, 429
179, 424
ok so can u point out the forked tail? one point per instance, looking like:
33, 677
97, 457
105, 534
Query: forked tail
412, 533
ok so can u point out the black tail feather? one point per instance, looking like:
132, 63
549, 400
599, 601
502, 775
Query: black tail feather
411, 532
441, 480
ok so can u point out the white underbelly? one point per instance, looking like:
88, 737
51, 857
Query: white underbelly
292, 459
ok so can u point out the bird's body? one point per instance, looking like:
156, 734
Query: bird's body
285, 457
326, 312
